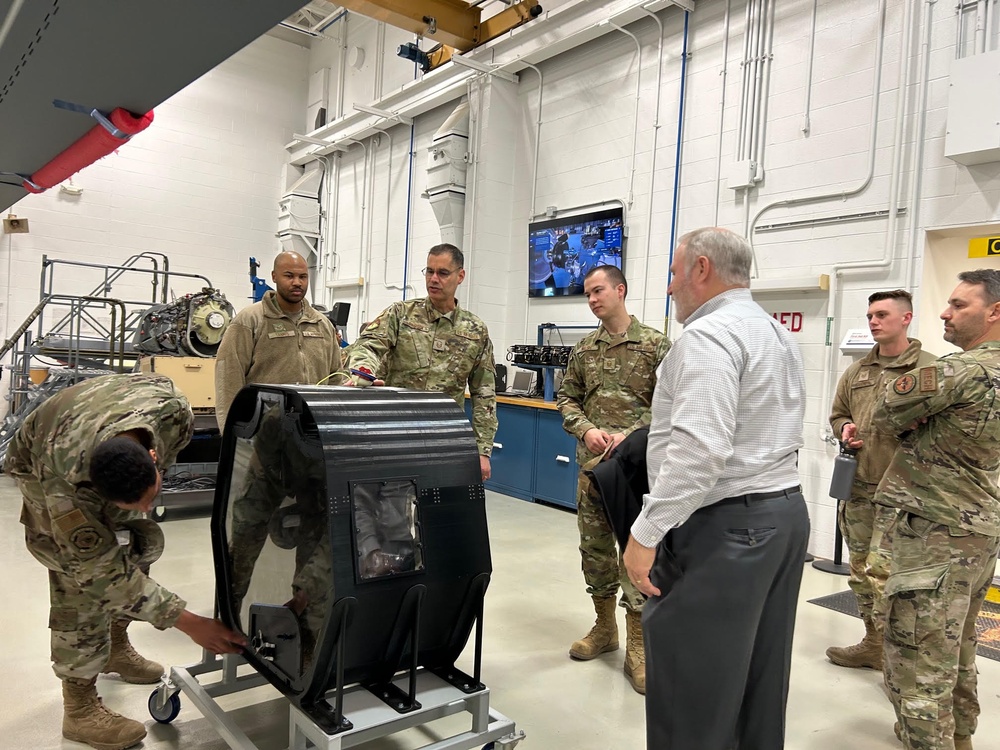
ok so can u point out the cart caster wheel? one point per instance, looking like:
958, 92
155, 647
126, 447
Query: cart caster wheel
169, 712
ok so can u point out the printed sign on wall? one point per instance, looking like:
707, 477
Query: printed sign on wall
790, 320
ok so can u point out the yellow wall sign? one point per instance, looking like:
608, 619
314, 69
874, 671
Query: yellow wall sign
984, 247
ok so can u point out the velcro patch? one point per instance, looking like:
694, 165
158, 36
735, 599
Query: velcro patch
904, 384
928, 379
72, 520
280, 334
85, 539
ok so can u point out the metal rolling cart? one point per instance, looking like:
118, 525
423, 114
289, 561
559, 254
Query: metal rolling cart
371, 718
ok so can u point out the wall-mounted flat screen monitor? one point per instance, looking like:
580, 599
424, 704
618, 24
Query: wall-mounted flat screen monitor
562, 251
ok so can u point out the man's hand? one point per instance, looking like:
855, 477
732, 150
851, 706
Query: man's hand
298, 602
484, 467
596, 440
638, 562
847, 436
615, 441
210, 634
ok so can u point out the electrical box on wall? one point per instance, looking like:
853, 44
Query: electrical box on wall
857, 341
973, 134
741, 174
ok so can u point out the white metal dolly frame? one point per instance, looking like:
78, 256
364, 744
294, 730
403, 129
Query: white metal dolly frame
371, 717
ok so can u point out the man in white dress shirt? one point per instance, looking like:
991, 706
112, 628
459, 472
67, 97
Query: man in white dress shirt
720, 543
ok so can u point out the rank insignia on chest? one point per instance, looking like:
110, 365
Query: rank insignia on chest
904, 384
610, 363
863, 376
278, 327
440, 345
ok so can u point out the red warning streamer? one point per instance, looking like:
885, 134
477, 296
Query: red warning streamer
95, 143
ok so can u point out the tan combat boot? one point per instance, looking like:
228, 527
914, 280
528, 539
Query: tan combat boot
635, 652
126, 661
85, 719
963, 742
603, 637
867, 653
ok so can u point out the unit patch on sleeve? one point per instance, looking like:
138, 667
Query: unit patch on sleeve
904, 384
85, 539
928, 379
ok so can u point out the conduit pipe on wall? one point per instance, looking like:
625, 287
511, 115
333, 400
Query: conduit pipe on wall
652, 161
409, 206
388, 223
744, 81
756, 75
837, 269
538, 140
923, 68
990, 7
724, 73
810, 59
760, 122
980, 26
675, 209
872, 141
635, 121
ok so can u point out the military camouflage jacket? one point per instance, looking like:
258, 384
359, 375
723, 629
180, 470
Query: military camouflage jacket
412, 345
264, 344
68, 526
946, 468
854, 402
609, 382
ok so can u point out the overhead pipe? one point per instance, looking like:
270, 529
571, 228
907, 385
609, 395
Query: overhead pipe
652, 161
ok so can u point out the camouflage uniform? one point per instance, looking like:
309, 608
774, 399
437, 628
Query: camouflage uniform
862, 522
944, 541
265, 344
96, 553
413, 345
608, 385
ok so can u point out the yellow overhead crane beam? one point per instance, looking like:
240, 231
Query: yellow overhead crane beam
454, 23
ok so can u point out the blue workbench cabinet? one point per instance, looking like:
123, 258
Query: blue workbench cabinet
533, 457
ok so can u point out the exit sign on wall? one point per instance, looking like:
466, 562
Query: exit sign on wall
790, 320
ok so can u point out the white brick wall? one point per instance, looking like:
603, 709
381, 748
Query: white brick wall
209, 186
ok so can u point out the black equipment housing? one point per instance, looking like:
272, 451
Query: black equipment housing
303, 471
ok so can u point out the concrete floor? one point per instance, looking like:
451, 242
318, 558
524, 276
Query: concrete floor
535, 608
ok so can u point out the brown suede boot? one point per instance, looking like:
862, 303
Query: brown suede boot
867, 653
126, 661
603, 637
635, 652
85, 719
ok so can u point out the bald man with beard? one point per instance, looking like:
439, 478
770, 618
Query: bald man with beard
281, 339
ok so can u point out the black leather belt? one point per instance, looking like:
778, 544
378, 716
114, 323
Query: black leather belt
754, 497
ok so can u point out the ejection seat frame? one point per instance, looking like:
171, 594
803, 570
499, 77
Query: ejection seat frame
371, 718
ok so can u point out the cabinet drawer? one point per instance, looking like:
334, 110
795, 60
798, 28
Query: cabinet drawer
556, 469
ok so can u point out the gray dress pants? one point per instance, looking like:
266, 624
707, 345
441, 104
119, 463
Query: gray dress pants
719, 638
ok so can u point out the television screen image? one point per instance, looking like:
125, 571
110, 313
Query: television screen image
562, 251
